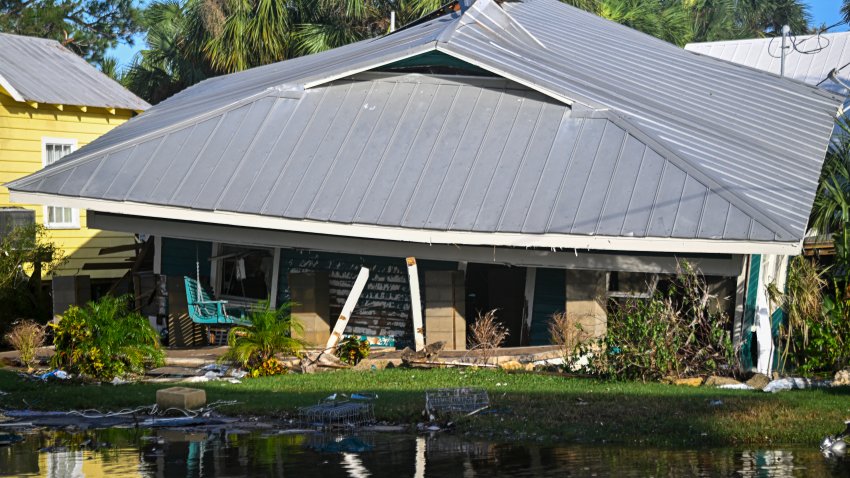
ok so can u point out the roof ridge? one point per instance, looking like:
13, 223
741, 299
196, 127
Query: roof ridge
690, 169
763, 39
61, 166
489, 15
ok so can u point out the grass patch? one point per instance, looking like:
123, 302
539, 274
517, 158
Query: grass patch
530, 407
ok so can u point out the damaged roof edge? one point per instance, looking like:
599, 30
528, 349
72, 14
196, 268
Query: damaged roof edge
424, 236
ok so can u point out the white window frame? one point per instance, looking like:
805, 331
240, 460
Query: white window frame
216, 274
75, 213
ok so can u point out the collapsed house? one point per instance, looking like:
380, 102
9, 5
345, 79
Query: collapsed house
526, 155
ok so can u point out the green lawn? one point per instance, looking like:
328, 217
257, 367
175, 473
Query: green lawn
529, 406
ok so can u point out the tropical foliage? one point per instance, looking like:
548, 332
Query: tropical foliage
105, 339
816, 300
88, 27
26, 255
189, 40
678, 332
683, 21
272, 332
352, 350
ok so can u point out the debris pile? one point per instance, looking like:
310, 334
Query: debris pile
340, 411
443, 402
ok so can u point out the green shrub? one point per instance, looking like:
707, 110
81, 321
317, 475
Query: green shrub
26, 255
352, 351
270, 333
105, 339
674, 333
26, 337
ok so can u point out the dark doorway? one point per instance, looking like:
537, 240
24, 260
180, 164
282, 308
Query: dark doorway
497, 287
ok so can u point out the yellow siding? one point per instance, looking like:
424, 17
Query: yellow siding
21, 132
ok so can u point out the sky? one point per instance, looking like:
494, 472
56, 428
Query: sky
823, 12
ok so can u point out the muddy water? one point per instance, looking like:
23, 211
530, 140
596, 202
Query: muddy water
120, 453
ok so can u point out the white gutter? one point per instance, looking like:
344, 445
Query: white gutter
423, 236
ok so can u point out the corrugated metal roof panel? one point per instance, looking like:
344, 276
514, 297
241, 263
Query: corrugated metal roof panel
346, 124
44, 71
625, 135
809, 58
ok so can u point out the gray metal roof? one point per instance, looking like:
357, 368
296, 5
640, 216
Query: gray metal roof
627, 136
810, 62
41, 70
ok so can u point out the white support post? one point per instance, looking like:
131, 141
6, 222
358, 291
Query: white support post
740, 299
348, 308
530, 283
415, 304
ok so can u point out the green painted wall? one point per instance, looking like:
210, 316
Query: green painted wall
550, 296
178, 257
384, 306
749, 318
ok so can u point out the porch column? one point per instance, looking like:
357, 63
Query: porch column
586, 297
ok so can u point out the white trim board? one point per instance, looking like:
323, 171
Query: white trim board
721, 265
422, 236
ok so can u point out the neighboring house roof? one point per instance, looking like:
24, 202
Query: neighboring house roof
629, 137
43, 71
810, 61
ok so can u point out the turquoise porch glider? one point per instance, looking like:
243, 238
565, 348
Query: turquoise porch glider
204, 310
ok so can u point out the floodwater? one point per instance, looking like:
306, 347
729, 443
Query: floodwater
119, 453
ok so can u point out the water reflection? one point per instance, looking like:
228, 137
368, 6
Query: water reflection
125, 453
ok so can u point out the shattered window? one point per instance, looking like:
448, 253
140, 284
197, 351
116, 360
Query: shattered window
631, 284
246, 271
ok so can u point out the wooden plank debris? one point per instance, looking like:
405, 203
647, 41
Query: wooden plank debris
348, 308
415, 304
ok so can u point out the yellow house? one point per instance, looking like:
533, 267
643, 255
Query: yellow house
51, 103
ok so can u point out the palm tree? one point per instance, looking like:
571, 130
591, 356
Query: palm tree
272, 331
172, 60
760, 17
831, 211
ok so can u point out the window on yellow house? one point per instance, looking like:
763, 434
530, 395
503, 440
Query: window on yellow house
54, 149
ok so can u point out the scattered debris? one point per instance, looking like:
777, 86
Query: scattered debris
793, 383
715, 381
145, 416
514, 365
181, 398
688, 382
715, 403
841, 379
60, 374
429, 353
447, 401
119, 381
314, 360
333, 413
735, 386
758, 381
835, 445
